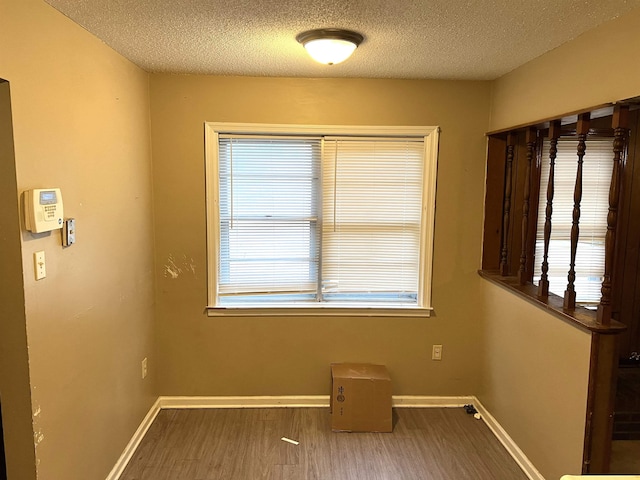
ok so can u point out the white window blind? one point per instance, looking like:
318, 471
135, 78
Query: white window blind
372, 199
597, 169
269, 240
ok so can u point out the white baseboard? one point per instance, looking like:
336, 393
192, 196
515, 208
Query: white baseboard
507, 442
289, 401
130, 449
320, 401
419, 401
295, 401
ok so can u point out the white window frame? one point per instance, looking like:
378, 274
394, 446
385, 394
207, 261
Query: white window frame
430, 136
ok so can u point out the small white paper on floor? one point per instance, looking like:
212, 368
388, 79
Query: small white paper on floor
288, 440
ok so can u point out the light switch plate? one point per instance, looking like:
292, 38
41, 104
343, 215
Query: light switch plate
69, 232
39, 264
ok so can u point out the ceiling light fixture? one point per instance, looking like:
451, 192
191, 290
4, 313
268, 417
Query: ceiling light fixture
330, 45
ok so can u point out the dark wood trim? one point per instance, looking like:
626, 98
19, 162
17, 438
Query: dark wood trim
530, 139
491, 245
570, 292
602, 110
603, 371
580, 316
517, 203
504, 264
625, 283
600, 133
620, 124
554, 134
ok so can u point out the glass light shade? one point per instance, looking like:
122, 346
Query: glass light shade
330, 50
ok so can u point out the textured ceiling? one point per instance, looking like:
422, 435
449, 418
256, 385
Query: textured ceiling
452, 39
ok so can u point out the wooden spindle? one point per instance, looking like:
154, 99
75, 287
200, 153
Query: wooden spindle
554, 134
504, 266
620, 124
531, 137
570, 292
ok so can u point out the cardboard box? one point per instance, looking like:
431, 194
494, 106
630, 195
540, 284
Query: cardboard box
360, 398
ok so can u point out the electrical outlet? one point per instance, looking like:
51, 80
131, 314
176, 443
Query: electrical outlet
436, 352
144, 368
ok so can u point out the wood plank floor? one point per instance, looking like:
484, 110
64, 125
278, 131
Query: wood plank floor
245, 444
625, 457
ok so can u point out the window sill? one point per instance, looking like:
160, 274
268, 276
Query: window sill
320, 311
581, 317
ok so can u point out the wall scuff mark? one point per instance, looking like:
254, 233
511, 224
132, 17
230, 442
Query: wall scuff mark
173, 270
38, 436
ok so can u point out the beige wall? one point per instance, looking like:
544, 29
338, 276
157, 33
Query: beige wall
598, 67
81, 123
15, 394
288, 355
536, 379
